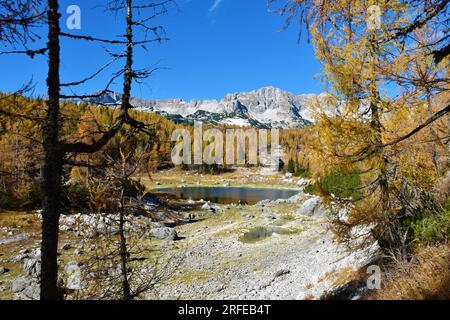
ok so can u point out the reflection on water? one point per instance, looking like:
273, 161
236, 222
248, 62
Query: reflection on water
224, 195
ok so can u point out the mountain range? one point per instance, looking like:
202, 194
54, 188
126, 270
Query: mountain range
267, 107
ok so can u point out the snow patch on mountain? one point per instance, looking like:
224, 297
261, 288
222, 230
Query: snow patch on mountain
267, 107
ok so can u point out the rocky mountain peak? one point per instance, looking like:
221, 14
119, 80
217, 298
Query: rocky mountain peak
266, 107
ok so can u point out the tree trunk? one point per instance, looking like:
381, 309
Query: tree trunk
126, 291
382, 175
52, 166
434, 136
377, 126
128, 79
128, 76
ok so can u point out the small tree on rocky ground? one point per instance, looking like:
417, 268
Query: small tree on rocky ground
124, 264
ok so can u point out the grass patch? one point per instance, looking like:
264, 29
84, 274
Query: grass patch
194, 276
257, 234
426, 227
427, 276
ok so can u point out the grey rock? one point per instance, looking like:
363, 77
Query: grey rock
311, 207
107, 228
25, 288
3, 270
164, 233
71, 267
303, 182
220, 288
24, 251
31, 292
281, 273
206, 206
211, 208
20, 257
73, 272
32, 267
247, 216
19, 284
66, 228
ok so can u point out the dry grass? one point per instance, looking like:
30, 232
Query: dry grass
309, 286
427, 277
19, 220
339, 277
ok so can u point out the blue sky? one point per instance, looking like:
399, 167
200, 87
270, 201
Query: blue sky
216, 47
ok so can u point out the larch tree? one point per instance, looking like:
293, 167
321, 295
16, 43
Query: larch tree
381, 62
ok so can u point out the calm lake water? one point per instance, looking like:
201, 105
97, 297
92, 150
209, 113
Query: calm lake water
225, 195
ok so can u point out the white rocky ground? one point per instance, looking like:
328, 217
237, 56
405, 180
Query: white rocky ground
301, 265
300, 260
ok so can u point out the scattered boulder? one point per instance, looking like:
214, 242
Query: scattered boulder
32, 267
303, 182
25, 288
73, 272
24, 251
164, 233
19, 284
107, 228
32, 264
211, 208
247, 215
311, 207
270, 218
3, 270
20, 257
220, 288
281, 273
66, 246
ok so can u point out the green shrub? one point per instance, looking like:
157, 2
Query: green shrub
76, 196
426, 227
132, 188
300, 172
312, 189
342, 184
291, 167
35, 196
8, 199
